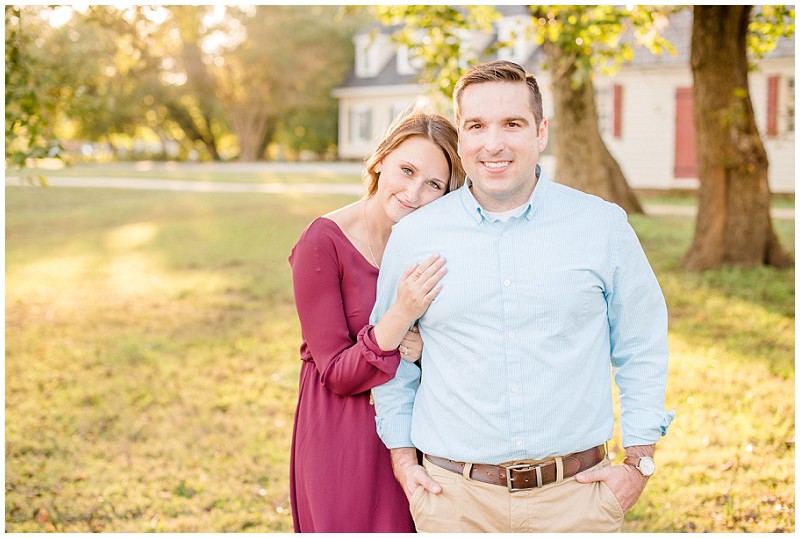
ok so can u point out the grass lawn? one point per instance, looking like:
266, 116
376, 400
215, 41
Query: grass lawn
152, 361
221, 172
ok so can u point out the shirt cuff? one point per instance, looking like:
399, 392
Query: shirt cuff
395, 431
385, 361
635, 429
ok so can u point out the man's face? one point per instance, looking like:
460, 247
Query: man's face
499, 143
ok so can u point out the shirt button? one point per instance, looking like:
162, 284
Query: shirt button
510, 335
505, 234
515, 389
507, 282
518, 441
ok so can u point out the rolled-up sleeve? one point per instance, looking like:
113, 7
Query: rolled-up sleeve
394, 400
637, 316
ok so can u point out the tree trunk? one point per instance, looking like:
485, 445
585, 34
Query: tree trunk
583, 160
192, 130
269, 134
249, 126
733, 220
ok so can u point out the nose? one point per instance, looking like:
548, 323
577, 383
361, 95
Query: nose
493, 143
413, 191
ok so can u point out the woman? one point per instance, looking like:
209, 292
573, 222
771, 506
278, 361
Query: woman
341, 476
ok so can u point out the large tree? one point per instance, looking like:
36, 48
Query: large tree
191, 74
733, 221
574, 38
577, 41
285, 58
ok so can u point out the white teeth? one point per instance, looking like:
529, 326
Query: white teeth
496, 165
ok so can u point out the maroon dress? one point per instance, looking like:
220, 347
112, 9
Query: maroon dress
341, 476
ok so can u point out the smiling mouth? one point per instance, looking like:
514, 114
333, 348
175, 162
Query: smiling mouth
496, 165
405, 205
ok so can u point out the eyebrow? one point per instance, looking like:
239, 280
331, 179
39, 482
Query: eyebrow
517, 119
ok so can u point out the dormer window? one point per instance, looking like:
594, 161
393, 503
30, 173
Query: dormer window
372, 53
407, 64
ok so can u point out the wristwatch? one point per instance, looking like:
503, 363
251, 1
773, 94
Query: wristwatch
645, 464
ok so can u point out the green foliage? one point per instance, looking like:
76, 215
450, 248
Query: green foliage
32, 97
201, 76
598, 38
152, 361
592, 37
767, 25
434, 35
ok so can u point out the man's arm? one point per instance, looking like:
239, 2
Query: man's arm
637, 317
625, 481
410, 474
394, 400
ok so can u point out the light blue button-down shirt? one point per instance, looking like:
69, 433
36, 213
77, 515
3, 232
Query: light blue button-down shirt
535, 316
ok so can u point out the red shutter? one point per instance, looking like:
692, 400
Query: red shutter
772, 106
617, 111
685, 149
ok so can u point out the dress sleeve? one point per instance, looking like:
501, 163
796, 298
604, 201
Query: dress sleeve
346, 365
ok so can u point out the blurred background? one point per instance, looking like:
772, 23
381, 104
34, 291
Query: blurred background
161, 162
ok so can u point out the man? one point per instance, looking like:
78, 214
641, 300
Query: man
547, 289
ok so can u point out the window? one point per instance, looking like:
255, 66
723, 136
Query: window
372, 54
362, 57
360, 124
602, 102
407, 63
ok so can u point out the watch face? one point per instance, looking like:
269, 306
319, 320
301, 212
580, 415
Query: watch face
647, 466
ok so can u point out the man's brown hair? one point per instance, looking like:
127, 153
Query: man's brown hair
500, 71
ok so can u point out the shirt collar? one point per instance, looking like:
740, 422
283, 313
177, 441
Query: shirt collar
476, 211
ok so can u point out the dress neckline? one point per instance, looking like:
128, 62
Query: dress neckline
349, 241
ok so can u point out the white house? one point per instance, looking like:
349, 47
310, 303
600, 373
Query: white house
645, 108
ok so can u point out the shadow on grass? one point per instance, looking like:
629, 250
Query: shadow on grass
749, 313
152, 359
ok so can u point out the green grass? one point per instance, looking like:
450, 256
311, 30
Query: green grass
152, 361
220, 172
689, 198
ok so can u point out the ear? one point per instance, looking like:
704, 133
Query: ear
543, 134
378, 167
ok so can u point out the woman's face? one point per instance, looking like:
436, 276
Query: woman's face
414, 174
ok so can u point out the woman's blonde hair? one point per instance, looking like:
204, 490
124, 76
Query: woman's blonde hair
433, 127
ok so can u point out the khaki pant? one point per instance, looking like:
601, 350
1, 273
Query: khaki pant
467, 505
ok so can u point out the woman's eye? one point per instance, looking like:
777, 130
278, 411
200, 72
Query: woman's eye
435, 185
407, 171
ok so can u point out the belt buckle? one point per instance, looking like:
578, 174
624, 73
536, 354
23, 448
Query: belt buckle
526, 467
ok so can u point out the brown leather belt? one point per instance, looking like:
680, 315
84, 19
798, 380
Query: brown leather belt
525, 475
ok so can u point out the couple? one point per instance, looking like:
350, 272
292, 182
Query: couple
525, 293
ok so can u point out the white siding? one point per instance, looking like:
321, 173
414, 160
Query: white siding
646, 149
780, 148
